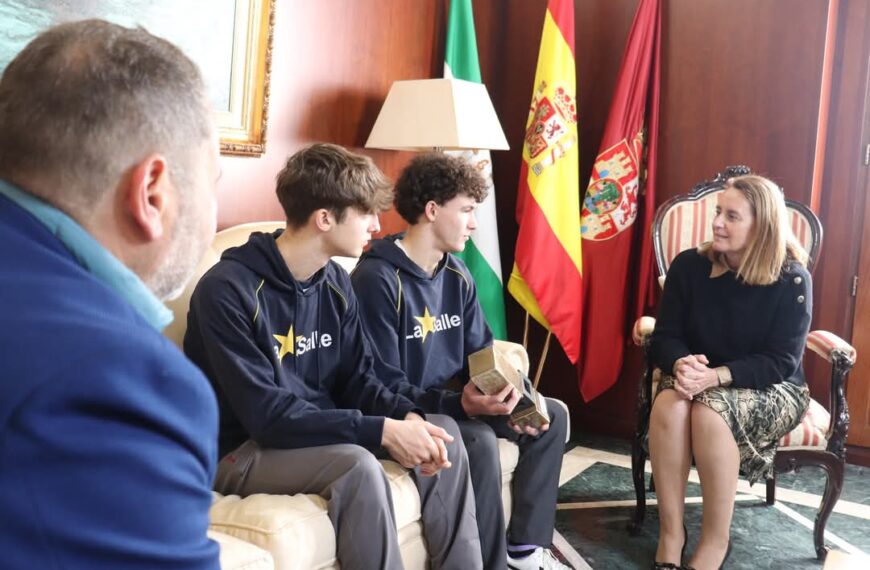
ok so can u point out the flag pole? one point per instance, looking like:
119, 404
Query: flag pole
526, 333
544, 352
543, 359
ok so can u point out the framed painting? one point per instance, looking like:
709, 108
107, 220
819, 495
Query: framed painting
230, 40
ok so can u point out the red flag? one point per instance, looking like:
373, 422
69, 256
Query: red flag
618, 190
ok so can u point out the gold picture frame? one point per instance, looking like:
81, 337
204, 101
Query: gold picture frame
230, 41
242, 126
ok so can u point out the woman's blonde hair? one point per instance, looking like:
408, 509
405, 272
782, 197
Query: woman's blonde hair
771, 243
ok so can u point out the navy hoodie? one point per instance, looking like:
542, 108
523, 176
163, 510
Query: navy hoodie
289, 361
424, 325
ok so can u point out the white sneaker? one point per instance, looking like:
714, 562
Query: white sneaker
540, 559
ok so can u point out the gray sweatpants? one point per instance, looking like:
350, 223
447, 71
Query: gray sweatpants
359, 502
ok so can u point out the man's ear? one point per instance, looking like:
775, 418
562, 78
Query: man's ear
147, 197
431, 210
323, 219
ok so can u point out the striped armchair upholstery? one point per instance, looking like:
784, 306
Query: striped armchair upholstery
686, 221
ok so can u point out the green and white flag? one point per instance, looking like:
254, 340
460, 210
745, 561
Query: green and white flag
481, 253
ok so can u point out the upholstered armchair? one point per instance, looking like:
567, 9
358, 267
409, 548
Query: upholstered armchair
684, 222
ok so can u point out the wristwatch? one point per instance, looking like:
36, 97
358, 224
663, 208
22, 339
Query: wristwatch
723, 374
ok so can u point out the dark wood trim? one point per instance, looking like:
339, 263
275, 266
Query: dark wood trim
858, 455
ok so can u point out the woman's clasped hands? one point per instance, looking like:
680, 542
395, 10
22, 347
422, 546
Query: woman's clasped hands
693, 375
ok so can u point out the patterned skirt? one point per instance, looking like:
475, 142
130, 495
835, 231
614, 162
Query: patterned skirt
757, 419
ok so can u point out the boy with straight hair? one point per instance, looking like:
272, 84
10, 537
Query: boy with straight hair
275, 327
419, 306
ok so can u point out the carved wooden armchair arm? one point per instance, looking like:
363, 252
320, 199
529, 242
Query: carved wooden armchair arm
827, 345
642, 329
841, 355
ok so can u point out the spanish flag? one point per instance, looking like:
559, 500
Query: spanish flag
546, 277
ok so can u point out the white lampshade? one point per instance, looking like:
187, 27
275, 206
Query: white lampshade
446, 114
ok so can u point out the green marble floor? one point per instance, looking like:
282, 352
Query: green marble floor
597, 501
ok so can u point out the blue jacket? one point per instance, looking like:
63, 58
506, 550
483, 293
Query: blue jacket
424, 325
289, 361
107, 433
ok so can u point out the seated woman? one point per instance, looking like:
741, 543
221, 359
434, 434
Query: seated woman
729, 339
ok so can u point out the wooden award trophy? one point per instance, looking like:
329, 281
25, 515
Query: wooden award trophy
490, 371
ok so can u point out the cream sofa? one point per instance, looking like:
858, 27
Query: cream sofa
294, 530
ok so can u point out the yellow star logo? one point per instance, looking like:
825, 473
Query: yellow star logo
288, 343
427, 322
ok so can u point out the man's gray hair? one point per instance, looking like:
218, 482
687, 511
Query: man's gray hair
85, 101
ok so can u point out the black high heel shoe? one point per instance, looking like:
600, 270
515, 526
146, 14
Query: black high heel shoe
671, 565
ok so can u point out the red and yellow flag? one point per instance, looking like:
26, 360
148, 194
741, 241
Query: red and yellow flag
618, 250
546, 277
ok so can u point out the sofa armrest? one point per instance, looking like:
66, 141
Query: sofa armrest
567, 416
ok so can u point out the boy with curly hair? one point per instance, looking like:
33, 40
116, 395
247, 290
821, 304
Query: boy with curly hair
419, 305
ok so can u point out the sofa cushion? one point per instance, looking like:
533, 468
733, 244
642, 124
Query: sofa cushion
298, 533
240, 555
293, 528
406, 500
509, 454
412, 546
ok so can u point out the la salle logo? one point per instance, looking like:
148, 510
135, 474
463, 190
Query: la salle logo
429, 324
297, 345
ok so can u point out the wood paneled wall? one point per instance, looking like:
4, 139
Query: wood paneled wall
739, 87
333, 63
741, 84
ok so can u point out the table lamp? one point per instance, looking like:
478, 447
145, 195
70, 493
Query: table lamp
437, 114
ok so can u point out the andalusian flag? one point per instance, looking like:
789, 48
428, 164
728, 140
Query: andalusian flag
481, 253
546, 278
617, 249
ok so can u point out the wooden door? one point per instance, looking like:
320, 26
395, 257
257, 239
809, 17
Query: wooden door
858, 388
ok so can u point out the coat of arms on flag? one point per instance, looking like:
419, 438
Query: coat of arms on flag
610, 205
549, 127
